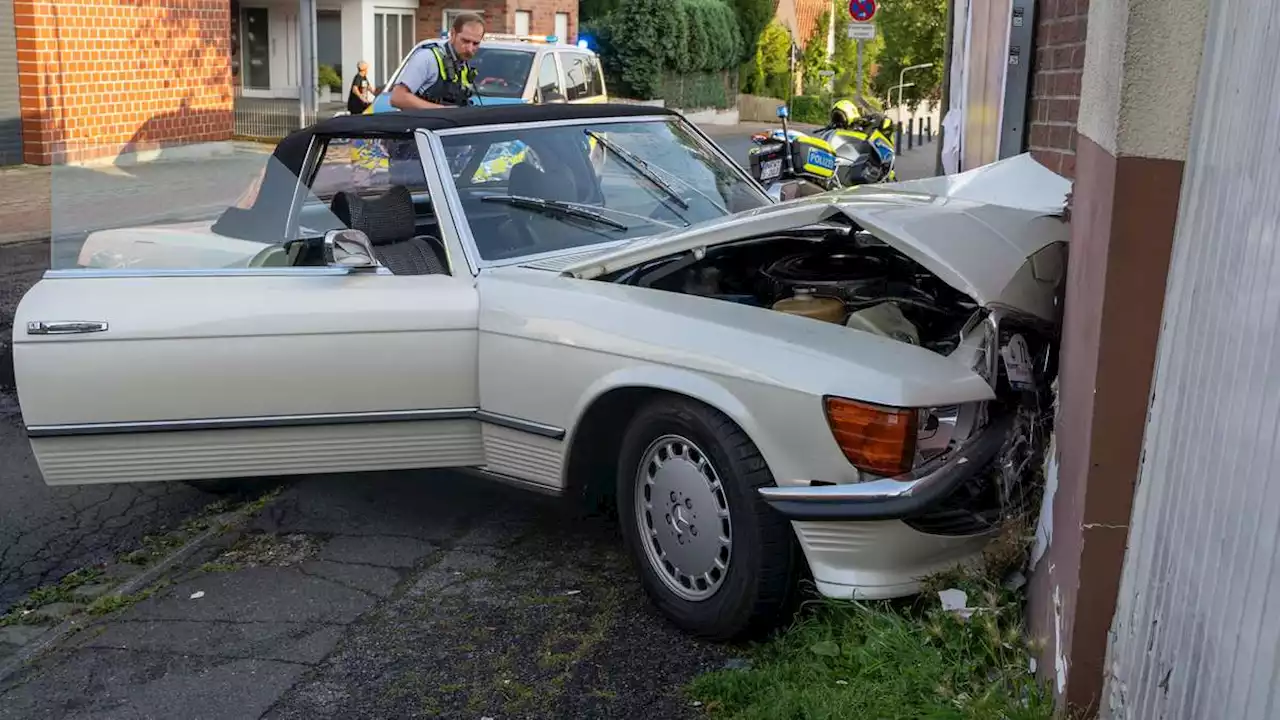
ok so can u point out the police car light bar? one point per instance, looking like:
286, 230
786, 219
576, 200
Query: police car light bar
521, 38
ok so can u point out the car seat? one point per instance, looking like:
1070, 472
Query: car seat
526, 180
390, 223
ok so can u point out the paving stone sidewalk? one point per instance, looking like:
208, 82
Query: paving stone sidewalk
37, 202
407, 595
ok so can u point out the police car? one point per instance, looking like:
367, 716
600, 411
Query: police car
510, 69
521, 69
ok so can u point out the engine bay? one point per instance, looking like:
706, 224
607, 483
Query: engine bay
843, 277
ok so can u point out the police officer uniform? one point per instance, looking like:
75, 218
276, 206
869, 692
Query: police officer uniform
439, 76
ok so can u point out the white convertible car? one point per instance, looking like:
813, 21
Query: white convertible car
851, 383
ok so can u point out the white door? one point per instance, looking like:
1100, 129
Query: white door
184, 359
233, 376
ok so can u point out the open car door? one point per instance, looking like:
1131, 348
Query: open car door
277, 366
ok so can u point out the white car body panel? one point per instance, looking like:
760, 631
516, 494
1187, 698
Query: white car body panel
173, 245
221, 349
578, 339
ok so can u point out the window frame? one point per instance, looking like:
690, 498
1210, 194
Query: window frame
446, 22
378, 62
554, 57
566, 58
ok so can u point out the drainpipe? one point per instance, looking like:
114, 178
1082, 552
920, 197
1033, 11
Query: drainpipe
945, 102
308, 107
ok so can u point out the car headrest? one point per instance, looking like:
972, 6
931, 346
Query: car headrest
527, 180
386, 218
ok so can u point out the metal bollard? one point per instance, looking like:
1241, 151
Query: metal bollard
911, 135
897, 136
928, 129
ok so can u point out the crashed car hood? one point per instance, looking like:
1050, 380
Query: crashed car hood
973, 230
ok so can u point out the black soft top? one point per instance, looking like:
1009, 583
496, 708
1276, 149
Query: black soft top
264, 221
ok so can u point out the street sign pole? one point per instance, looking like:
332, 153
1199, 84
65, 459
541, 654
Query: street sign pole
859, 79
861, 12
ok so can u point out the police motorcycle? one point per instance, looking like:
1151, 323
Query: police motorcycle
861, 142
791, 164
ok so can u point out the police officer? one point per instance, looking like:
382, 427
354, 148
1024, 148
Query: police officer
441, 76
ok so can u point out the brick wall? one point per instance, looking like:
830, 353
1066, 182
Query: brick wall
1055, 88
102, 77
500, 16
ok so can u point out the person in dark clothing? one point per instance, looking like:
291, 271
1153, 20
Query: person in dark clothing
360, 96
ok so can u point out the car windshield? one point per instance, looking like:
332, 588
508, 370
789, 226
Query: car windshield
532, 190
500, 72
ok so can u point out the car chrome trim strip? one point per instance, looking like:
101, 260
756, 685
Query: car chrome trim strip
514, 423
274, 421
891, 498
69, 273
501, 127
456, 217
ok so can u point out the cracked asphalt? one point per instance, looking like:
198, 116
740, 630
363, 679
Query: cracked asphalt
45, 532
407, 595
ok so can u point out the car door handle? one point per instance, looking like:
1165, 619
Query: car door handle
67, 327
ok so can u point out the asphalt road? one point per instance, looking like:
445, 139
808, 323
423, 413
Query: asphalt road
47, 532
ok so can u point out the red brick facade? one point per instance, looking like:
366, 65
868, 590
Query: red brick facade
1055, 89
500, 15
103, 77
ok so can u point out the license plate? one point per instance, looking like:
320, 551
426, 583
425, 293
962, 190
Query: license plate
770, 169
822, 159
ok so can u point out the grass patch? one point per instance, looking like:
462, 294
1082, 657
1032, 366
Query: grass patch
896, 660
108, 604
61, 591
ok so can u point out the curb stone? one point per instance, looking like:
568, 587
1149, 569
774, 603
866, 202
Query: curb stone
219, 525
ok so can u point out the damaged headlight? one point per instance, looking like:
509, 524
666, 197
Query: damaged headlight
889, 441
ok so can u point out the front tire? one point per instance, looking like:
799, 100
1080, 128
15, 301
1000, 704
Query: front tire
711, 555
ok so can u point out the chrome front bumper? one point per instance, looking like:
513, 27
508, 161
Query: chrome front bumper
894, 498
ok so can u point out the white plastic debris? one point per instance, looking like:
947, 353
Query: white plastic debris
842, 682
573, 592
955, 601
197, 595
1031, 665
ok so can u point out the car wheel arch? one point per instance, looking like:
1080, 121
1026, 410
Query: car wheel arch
606, 410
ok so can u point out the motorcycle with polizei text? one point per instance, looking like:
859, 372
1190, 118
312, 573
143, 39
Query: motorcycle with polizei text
855, 148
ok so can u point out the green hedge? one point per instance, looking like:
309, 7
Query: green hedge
645, 46
696, 91
809, 109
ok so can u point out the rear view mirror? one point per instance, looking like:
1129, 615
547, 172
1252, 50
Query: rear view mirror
783, 112
348, 249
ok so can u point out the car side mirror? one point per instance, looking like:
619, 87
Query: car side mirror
348, 249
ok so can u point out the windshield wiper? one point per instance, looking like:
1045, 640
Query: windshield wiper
554, 206
640, 166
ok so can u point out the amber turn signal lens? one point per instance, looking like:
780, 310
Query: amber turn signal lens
875, 439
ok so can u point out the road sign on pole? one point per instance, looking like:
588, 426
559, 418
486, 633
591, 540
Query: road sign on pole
862, 32
862, 11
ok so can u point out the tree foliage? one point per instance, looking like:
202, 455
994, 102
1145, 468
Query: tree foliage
913, 33
770, 69
753, 17
642, 42
843, 62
